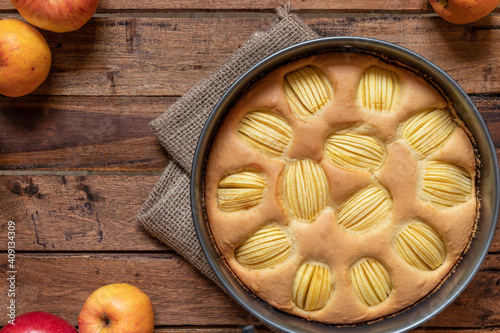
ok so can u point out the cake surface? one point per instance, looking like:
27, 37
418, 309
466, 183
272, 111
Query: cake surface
341, 188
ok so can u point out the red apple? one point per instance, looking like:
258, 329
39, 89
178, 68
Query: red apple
39, 322
117, 308
25, 58
463, 11
57, 15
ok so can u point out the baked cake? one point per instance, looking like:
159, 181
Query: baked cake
341, 188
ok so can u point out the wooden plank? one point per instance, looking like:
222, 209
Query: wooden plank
489, 109
254, 5
60, 284
442, 43
107, 133
452, 330
476, 307
87, 213
108, 156
260, 329
167, 56
263, 329
491, 262
76, 213
204, 330
81, 133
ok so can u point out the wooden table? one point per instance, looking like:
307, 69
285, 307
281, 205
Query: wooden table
77, 158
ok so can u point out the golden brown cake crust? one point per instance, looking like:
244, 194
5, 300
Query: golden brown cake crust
323, 240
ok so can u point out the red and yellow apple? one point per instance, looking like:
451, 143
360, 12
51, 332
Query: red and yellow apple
56, 15
463, 11
25, 58
117, 308
39, 322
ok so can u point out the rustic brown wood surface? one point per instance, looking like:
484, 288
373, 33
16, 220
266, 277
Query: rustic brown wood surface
129, 56
88, 213
77, 158
180, 295
254, 5
111, 133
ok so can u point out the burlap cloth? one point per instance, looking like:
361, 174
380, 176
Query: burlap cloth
166, 214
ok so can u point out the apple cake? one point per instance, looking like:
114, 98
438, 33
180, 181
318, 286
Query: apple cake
341, 188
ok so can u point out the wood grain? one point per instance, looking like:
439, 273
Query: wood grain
207, 330
86, 213
260, 329
81, 133
76, 228
492, 262
254, 5
58, 213
107, 133
147, 56
60, 283
263, 329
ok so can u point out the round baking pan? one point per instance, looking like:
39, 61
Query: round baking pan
488, 186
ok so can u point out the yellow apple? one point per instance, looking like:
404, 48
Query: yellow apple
25, 58
56, 15
463, 11
117, 308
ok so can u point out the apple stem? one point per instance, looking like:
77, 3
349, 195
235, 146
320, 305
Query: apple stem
443, 2
106, 319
